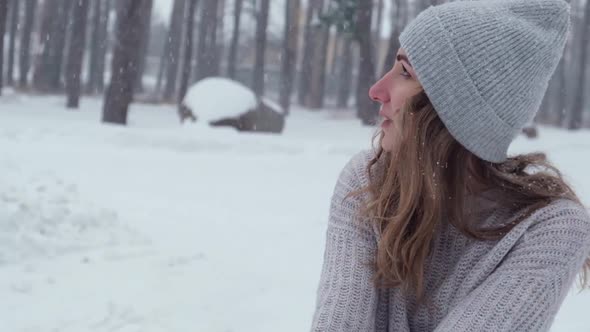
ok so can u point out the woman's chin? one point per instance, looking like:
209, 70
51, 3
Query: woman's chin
386, 146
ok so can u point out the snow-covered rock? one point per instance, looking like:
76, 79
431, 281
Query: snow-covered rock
208, 101
217, 98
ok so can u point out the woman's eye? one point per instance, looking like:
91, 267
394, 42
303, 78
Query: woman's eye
405, 72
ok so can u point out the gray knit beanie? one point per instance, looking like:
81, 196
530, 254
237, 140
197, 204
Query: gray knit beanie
485, 65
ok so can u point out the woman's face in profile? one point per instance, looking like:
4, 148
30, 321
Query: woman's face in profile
392, 91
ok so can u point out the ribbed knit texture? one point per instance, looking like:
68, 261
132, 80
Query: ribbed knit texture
486, 65
515, 284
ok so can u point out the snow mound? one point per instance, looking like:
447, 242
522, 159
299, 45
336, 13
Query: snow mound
47, 218
217, 98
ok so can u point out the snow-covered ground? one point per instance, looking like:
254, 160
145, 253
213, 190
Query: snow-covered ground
157, 227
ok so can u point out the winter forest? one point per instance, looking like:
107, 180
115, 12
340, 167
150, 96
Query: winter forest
167, 165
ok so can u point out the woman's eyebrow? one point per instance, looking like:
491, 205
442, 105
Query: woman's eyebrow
401, 57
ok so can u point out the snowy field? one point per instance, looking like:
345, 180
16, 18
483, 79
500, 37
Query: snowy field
158, 227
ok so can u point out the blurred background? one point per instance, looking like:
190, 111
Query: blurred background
167, 165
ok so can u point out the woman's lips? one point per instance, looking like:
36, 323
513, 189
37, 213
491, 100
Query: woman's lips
385, 116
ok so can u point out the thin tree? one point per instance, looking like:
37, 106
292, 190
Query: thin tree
219, 49
398, 17
58, 45
14, 16
98, 45
76, 53
3, 11
317, 79
346, 67
47, 74
290, 46
173, 47
303, 89
366, 108
128, 34
378, 22
259, 59
235, 39
49, 12
207, 64
145, 41
25, 42
188, 50
577, 110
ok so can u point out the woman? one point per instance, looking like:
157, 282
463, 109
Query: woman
438, 230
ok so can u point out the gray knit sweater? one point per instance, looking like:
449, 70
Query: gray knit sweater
515, 284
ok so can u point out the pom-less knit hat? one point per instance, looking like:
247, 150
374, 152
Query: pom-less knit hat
485, 65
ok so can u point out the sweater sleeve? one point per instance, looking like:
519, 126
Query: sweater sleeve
525, 292
346, 297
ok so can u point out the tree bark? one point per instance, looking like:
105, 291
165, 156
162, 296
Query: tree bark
3, 11
145, 43
345, 78
49, 12
14, 18
366, 108
561, 93
128, 33
207, 65
98, 46
577, 111
58, 45
188, 50
25, 43
235, 39
378, 23
290, 46
174, 40
317, 83
259, 60
76, 53
303, 90
398, 22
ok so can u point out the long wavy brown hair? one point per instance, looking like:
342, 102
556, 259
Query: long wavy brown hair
438, 173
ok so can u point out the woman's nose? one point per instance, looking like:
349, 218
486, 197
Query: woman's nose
379, 91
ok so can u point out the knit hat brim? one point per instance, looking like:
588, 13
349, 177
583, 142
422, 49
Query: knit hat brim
459, 97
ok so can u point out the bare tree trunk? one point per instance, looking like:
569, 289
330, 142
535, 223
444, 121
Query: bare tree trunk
207, 65
378, 23
104, 45
161, 69
128, 34
98, 46
49, 11
188, 50
25, 43
14, 16
303, 90
561, 93
76, 53
345, 78
145, 43
398, 22
577, 111
58, 47
219, 49
261, 26
3, 11
290, 46
317, 83
366, 108
235, 39
174, 39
